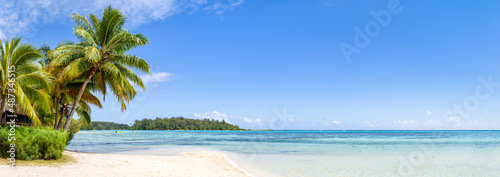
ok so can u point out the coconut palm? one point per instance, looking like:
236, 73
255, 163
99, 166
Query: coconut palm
55, 72
66, 89
66, 95
102, 47
22, 78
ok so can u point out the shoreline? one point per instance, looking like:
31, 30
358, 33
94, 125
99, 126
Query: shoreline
189, 163
232, 158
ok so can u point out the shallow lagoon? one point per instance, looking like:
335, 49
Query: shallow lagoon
319, 153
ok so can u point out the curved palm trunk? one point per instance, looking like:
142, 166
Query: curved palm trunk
78, 97
61, 118
57, 113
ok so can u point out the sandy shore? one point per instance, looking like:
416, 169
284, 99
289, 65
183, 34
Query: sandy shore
193, 163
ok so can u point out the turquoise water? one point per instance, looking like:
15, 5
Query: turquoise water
322, 153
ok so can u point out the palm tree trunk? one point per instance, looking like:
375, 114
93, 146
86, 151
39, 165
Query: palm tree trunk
57, 112
61, 118
78, 97
2, 109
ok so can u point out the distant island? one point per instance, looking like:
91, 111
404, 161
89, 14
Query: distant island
106, 126
173, 123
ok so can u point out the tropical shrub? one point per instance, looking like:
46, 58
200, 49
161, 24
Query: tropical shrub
35, 142
75, 126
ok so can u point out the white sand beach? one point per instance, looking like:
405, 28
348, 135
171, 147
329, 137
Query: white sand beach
193, 163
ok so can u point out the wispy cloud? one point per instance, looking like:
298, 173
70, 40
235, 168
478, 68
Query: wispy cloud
428, 112
21, 18
432, 123
214, 115
157, 77
238, 120
248, 120
222, 6
367, 123
404, 123
455, 119
337, 122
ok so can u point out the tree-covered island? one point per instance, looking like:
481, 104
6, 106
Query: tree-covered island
173, 123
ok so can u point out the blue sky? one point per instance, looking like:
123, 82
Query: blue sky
280, 64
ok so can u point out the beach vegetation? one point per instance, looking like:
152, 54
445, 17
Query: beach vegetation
34, 142
65, 92
100, 57
48, 86
25, 87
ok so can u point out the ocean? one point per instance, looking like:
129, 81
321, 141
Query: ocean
319, 153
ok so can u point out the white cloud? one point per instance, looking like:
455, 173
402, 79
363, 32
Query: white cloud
403, 123
237, 120
337, 122
367, 123
474, 123
213, 115
157, 77
247, 120
432, 123
454, 119
428, 112
221, 7
23, 17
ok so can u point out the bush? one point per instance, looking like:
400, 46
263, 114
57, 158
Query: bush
35, 142
74, 126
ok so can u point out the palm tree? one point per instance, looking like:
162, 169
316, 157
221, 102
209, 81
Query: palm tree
102, 47
66, 95
66, 89
24, 80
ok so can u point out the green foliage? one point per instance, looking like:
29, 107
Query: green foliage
22, 77
34, 142
181, 123
100, 56
106, 126
75, 126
